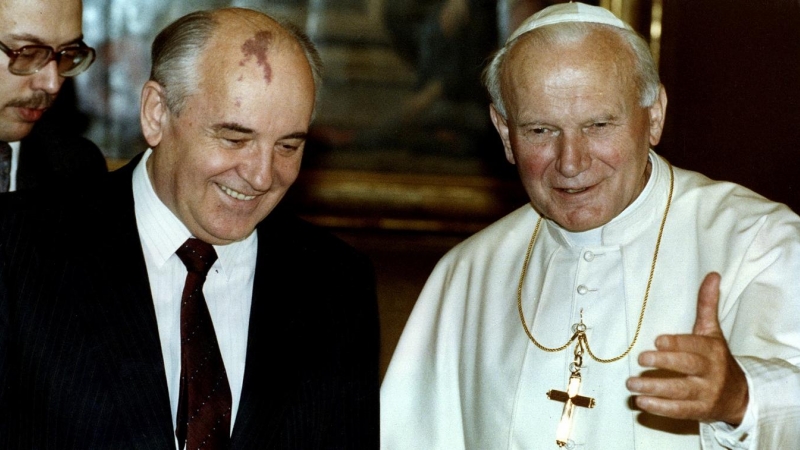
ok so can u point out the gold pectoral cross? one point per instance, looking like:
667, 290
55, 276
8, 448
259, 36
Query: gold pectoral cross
571, 398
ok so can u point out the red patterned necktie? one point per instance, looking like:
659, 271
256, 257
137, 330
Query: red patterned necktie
5, 166
204, 405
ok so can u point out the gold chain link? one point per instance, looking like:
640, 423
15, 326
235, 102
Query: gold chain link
581, 335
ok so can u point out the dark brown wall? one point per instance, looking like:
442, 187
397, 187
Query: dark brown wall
732, 73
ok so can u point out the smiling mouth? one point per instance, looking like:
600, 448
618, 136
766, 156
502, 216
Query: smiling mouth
574, 191
235, 194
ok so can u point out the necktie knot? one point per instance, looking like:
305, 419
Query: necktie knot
197, 256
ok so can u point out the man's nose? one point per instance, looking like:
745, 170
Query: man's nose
47, 78
256, 169
573, 155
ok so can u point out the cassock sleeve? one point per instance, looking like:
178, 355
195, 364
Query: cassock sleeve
763, 308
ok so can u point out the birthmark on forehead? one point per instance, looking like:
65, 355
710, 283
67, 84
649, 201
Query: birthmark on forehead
258, 47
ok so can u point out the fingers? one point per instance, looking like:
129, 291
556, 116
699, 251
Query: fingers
676, 409
686, 343
680, 362
706, 381
707, 321
677, 389
693, 397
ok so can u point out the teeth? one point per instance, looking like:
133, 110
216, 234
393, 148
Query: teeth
574, 191
235, 194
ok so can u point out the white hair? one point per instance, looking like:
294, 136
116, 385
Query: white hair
644, 67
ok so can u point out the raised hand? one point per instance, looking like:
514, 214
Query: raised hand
707, 383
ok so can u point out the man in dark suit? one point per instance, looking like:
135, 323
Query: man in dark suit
43, 45
172, 304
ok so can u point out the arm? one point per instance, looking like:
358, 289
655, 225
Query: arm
762, 381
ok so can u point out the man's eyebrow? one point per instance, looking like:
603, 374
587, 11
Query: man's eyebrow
231, 126
296, 135
530, 123
26, 37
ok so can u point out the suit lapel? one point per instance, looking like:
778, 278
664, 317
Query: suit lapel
270, 367
123, 316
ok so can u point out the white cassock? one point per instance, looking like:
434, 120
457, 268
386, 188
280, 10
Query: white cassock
465, 375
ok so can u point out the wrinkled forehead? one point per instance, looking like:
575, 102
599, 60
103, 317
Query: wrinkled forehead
572, 44
602, 59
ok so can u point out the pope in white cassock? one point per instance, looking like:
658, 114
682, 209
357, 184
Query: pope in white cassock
631, 305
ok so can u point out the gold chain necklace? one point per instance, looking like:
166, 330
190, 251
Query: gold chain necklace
571, 397
580, 334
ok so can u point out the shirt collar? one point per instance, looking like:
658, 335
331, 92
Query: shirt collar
161, 231
12, 186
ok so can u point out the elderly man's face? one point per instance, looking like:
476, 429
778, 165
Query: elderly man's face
224, 163
23, 99
576, 131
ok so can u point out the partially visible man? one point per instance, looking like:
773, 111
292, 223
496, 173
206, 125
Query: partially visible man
41, 44
172, 305
535, 332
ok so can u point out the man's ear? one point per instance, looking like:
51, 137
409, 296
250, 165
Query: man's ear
658, 113
153, 113
501, 125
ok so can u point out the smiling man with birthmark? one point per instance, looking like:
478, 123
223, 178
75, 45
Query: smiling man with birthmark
630, 305
175, 304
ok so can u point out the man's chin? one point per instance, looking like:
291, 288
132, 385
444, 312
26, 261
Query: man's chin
222, 236
580, 224
16, 132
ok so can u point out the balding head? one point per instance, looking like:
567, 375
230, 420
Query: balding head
565, 24
227, 113
178, 52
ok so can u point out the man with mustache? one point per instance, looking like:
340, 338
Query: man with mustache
41, 45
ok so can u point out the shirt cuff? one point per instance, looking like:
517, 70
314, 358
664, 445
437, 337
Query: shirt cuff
738, 437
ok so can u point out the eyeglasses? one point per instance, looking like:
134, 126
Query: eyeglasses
29, 59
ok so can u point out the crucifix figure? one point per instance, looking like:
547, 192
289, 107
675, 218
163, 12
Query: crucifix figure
571, 398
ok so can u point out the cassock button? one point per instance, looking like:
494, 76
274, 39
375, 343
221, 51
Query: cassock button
582, 290
588, 256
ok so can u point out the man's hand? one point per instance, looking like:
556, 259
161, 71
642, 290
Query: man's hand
708, 384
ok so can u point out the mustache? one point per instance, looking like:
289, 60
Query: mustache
39, 100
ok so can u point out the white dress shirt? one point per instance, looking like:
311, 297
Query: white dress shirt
228, 288
12, 175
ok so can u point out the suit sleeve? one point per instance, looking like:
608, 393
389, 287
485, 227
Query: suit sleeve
4, 331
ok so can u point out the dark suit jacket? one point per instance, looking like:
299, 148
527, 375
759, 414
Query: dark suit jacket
50, 157
80, 358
